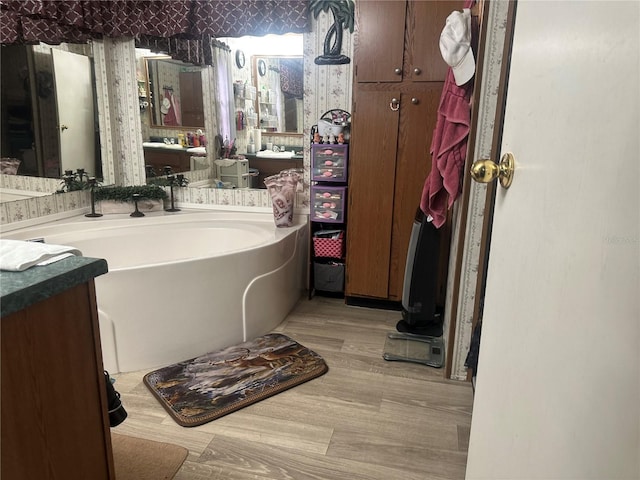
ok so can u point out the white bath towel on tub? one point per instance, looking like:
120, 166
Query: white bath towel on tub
18, 255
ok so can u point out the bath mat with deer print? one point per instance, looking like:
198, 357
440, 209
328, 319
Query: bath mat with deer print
207, 387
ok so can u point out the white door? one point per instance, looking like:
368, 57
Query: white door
74, 101
558, 384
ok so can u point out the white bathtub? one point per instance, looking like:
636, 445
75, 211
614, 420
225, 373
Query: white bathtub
184, 284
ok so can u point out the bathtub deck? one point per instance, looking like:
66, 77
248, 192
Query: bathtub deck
366, 419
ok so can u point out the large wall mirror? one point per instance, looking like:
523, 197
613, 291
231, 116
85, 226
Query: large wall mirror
30, 127
174, 92
274, 66
279, 84
274, 62
48, 109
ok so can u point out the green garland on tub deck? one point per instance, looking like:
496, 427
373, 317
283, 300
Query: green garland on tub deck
125, 194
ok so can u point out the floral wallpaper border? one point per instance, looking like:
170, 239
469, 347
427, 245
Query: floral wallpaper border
40, 208
43, 208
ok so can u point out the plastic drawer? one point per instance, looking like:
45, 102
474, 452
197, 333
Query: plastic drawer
328, 204
329, 162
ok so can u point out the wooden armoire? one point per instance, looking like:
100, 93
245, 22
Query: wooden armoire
398, 78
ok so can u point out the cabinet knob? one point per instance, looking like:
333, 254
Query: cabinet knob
417, 71
415, 101
398, 71
394, 105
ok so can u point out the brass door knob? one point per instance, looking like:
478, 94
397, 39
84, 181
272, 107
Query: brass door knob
485, 170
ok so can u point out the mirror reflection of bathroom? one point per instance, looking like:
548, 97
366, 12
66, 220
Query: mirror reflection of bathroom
279, 92
173, 94
250, 112
282, 77
44, 87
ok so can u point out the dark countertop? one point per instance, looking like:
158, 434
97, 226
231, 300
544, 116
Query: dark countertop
161, 147
22, 289
249, 156
253, 156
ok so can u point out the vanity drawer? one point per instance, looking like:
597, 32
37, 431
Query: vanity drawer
329, 162
328, 204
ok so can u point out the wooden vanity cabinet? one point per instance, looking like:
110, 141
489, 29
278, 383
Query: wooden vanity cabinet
270, 166
158, 158
54, 406
393, 118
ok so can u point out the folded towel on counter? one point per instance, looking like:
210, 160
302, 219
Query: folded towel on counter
197, 150
18, 255
224, 162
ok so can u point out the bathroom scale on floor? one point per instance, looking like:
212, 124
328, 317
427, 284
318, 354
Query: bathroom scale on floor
408, 347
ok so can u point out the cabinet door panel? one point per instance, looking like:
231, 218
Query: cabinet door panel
372, 159
379, 46
191, 99
417, 122
54, 406
425, 21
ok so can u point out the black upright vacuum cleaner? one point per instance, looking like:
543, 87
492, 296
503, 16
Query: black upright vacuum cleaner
419, 332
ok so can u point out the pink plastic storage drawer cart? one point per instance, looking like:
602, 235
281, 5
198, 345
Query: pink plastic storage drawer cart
329, 162
328, 203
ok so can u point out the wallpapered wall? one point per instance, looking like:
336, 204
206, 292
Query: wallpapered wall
326, 87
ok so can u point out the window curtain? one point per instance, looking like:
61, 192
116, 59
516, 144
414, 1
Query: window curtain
181, 28
224, 100
280, 109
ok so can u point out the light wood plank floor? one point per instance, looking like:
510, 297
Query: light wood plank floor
366, 419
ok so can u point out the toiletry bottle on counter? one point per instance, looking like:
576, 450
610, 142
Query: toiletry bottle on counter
201, 140
181, 140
